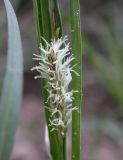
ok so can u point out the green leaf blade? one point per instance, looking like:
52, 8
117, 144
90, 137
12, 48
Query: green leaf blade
58, 17
12, 87
43, 28
77, 81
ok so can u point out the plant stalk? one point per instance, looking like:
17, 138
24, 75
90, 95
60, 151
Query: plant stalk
77, 81
64, 149
43, 29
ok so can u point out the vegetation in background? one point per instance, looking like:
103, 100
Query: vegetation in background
110, 63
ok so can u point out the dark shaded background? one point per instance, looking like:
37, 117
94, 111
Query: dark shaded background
102, 114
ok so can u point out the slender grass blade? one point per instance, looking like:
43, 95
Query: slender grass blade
12, 87
77, 81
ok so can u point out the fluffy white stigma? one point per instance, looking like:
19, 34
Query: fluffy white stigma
55, 67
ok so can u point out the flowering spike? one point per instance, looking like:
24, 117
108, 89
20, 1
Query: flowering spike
54, 66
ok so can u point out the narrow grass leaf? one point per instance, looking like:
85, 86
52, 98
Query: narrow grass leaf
38, 21
43, 28
12, 87
58, 21
77, 81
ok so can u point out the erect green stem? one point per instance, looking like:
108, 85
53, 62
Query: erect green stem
64, 148
77, 81
43, 28
57, 24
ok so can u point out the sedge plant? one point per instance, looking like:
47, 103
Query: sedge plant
58, 67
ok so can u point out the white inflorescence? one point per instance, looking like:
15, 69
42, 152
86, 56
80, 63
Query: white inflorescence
55, 67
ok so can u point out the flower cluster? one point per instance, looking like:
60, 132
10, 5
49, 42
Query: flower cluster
55, 67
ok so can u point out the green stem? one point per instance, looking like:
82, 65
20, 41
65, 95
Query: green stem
77, 81
64, 149
58, 24
43, 29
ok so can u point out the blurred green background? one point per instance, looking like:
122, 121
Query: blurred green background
102, 32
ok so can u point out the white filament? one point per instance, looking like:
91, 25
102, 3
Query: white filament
55, 67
